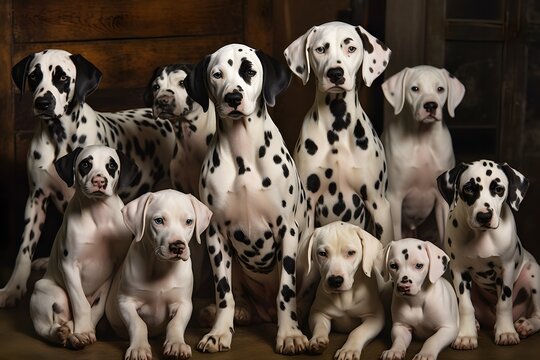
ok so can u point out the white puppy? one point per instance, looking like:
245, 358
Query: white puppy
92, 240
423, 303
418, 146
152, 291
347, 297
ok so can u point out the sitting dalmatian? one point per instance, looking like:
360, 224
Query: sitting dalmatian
495, 278
340, 158
250, 183
60, 82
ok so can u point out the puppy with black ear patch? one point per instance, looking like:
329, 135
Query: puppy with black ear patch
424, 304
92, 241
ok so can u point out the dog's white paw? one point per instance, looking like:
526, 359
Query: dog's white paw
80, 340
291, 342
214, 342
524, 328
347, 354
139, 352
9, 297
424, 356
465, 343
317, 345
393, 354
176, 350
507, 338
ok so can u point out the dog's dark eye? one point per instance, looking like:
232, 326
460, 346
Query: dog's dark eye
419, 266
440, 89
63, 78
415, 88
351, 253
155, 87
189, 221
251, 73
320, 50
468, 189
111, 166
84, 164
351, 49
499, 190
181, 83
32, 76
322, 253
394, 266
217, 75
159, 220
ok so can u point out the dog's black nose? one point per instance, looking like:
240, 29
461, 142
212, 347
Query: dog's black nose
164, 100
336, 75
42, 103
405, 279
233, 99
484, 217
430, 106
335, 281
177, 247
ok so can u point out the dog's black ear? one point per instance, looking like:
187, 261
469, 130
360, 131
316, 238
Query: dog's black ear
128, 170
149, 92
88, 77
448, 181
517, 186
276, 77
195, 83
65, 166
19, 72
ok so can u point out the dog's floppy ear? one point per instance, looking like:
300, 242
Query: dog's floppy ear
134, 214
385, 254
148, 96
448, 180
276, 77
438, 261
517, 186
203, 214
65, 166
376, 56
19, 72
195, 83
394, 90
456, 92
128, 170
371, 251
297, 55
88, 77
309, 250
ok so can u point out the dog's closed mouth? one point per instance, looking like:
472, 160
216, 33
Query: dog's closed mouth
235, 114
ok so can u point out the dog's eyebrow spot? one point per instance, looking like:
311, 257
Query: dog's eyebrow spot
347, 41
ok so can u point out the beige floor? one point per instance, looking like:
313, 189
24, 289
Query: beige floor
18, 341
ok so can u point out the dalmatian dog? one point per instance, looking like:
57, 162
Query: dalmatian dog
152, 290
419, 140
340, 158
167, 96
495, 278
69, 300
60, 82
250, 183
347, 298
423, 303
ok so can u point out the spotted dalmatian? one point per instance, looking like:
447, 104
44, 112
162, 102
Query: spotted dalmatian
340, 158
495, 278
60, 82
250, 182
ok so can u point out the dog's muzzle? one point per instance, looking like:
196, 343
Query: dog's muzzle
44, 105
164, 106
177, 249
335, 282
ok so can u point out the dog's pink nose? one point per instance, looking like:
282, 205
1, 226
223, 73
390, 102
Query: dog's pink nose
177, 247
99, 181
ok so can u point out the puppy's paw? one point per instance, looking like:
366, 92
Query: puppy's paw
424, 356
9, 297
291, 342
465, 343
207, 316
62, 332
347, 354
176, 350
242, 316
139, 352
317, 345
524, 328
507, 338
215, 341
80, 340
393, 354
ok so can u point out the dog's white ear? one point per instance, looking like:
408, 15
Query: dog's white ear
371, 251
203, 214
438, 261
384, 268
517, 186
134, 214
394, 90
456, 92
309, 249
297, 55
376, 56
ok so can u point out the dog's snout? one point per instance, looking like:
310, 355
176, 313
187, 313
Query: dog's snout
233, 98
99, 181
177, 247
430, 106
164, 100
336, 75
405, 279
43, 103
335, 281
484, 217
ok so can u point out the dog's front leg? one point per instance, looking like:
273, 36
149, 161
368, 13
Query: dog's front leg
441, 214
396, 202
379, 208
401, 339
139, 347
320, 325
438, 341
359, 337
467, 338
505, 333
290, 339
175, 346
220, 336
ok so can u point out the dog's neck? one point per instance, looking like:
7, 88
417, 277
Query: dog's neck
340, 109
409, 126
194, 130
99, 208
155, 268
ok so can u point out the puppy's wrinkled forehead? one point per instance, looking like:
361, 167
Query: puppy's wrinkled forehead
335, 33
235, 56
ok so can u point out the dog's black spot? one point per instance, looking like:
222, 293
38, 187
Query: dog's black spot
332, 188
455, 223
223, 287
332, 137
223, 304
266, 182
289, 265
277, 159
66, 252
218, 258
328, 173
246, 71
363, 192
211, 249
300, 69
311, 147
339, 207
282, 305
60, 80
470, 192
285, 170
240, 236
262, 151
37, 155
313, 183
287, 293
365, 41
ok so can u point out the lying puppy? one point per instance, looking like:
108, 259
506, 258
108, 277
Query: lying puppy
488, 260
423, 303
152, 290
419, 140
92, 240
347, 297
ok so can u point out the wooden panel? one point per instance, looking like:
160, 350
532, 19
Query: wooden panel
258, 32
130, 63
477, 9
68, 20
471, 31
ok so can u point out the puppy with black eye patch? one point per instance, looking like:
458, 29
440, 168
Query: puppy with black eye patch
424, 304
91, 243
495, 278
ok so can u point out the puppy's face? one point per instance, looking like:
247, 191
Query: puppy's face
167, 93
408, 266
97, 171
426, 91
235, 80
